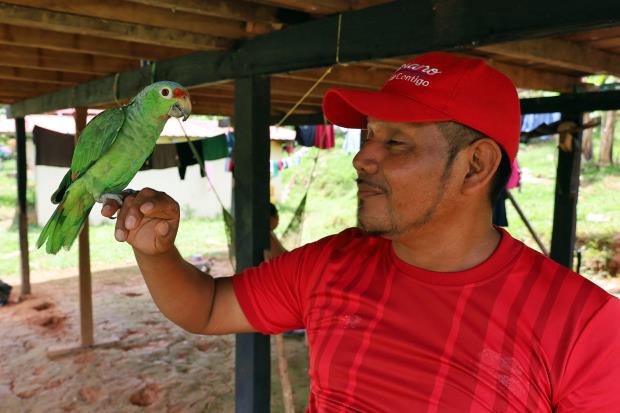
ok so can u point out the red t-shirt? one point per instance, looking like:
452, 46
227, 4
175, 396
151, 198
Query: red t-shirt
517, 333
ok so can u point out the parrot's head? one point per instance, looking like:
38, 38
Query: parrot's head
166, 99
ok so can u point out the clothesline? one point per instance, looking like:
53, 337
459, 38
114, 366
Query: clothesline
277, 165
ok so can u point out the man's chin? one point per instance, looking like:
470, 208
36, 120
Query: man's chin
374, 229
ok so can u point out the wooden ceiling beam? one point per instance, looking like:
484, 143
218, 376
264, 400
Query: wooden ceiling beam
43, 76
309, 6
356, 76
95, 26
573, 102
298, 87
526, 78
592, 35
559, 53
284, 86
213, 109
14, 95
523, 77
606, 44
228, 95
322, 6
129, 12
228, 9
19, 87
72, 42
35, 58
225, 108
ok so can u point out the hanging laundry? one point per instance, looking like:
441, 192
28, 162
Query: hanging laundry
289, 147
230, 141
325, 137
531, 121
186, 157
52, 148
164, 156
352, 139
305, 135
214, 148
278, 165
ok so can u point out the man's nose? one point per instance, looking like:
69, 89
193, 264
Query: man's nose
366, 160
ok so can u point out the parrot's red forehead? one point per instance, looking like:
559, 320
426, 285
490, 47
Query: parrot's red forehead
179, 93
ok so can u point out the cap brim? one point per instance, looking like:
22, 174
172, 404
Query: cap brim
351, 108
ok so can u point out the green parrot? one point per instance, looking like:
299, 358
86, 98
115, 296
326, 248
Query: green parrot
111, 149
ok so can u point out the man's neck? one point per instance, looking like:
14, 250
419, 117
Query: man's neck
448, 250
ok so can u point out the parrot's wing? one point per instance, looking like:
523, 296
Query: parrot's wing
96, 139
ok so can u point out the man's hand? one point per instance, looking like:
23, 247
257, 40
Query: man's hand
148, 221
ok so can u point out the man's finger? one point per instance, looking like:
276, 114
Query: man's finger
158, 205
120, 232
109, 209
132, 215
165, 236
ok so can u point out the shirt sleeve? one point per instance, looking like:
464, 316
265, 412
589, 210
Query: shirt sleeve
590, 382
270, 294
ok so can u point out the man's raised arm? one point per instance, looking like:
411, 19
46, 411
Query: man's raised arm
195, 301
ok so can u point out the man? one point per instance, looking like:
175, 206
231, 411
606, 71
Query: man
429, 307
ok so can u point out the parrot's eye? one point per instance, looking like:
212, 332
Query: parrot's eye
165, 92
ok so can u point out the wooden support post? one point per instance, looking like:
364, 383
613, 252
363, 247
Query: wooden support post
251, 200
86, 300
22, 181
566, 191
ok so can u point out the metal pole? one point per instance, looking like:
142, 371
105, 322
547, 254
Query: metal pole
527, 223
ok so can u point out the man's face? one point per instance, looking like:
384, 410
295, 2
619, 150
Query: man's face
402, 177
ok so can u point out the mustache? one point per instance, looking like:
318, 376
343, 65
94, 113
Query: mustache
361, 180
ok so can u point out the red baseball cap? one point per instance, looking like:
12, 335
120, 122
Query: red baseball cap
436, 87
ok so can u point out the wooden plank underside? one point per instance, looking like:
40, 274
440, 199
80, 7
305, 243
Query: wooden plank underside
436, 25
69, 23
79, 43
561, 53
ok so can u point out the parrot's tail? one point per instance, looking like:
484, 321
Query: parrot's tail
65, 223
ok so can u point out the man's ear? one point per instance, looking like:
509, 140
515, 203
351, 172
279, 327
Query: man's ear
484, 157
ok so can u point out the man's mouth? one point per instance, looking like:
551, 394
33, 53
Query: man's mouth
368, 189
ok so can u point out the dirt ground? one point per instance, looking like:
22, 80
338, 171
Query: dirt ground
153, 366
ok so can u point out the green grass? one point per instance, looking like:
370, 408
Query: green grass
196, 236
598, 208
8, 189
331, 203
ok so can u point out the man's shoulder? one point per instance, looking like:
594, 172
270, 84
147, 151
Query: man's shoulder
567, 287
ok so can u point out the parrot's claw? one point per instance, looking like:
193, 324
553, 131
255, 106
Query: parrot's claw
103, 198
116, 197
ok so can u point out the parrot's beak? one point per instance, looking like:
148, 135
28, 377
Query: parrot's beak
181, 108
